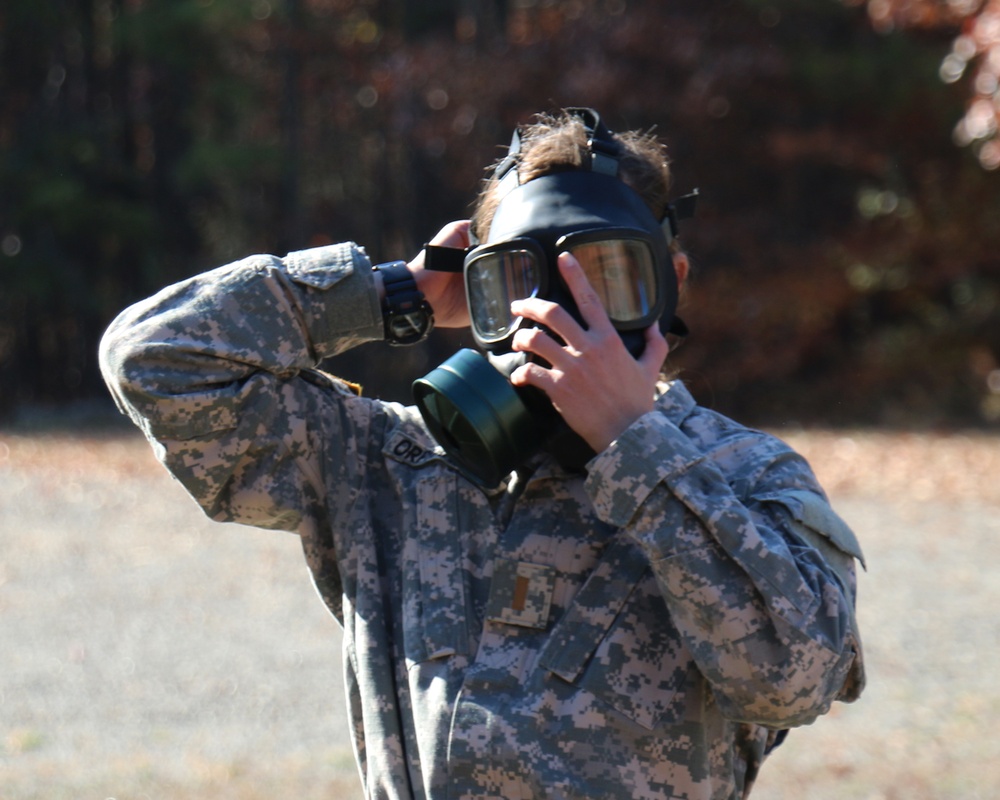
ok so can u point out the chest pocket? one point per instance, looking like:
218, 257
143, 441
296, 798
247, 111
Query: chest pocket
617, 641
436, 593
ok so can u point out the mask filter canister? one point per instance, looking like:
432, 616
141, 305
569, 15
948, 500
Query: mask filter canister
487, 425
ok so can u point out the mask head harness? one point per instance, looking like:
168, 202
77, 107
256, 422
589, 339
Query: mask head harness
486, 424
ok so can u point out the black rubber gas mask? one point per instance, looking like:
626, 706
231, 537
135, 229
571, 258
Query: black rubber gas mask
599, 220
487, 425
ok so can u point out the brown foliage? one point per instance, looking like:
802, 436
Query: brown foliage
975, 56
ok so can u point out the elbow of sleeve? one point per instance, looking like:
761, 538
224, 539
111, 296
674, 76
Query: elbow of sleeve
794, 694
125, 367
774, 708
172, 391
107, 356
116, 359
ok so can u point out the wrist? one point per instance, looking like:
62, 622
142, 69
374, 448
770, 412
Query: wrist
406, 314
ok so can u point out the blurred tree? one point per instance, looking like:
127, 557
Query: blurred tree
104, 183
977, 23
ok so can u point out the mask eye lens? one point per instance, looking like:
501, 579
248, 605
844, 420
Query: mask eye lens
494, 279
622, 273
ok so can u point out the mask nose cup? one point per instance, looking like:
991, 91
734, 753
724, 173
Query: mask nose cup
478, 416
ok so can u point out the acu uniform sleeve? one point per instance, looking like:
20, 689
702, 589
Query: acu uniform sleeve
761, 587
218, 373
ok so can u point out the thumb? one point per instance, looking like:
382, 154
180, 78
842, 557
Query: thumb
656, 351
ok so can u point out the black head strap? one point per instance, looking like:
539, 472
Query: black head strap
438, 258
681, 208
510, 160
604, 150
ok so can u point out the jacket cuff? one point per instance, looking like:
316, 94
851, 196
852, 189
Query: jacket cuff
344, 309
648, 453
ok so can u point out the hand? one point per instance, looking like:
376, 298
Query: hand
445, 291
594, 382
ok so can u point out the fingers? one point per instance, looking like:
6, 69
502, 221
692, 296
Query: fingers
454, 234
587, 301
553, 316
532, 374
557, 319
537, 341
444, 291
592, 380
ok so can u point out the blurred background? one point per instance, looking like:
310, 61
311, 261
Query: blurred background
846, 295
847, 244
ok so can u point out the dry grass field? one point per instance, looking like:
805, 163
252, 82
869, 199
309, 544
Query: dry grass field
147, 653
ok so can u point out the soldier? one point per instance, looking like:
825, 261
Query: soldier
557, 575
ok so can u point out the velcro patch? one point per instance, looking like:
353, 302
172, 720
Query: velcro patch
521, 593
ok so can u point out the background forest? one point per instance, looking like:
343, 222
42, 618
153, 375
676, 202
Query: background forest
847, 243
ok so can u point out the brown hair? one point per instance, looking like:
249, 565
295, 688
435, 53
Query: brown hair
553, 143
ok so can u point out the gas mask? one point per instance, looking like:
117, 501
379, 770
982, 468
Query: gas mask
487, 425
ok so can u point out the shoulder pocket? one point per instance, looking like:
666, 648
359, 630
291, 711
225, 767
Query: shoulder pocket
814, 514
818, 525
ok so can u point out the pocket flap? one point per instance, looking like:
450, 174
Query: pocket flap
321, 267
577, 635
617, 642
816, 514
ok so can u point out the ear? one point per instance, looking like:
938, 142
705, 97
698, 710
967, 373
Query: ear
681, 267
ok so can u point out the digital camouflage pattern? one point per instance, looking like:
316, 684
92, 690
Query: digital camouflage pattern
644, 630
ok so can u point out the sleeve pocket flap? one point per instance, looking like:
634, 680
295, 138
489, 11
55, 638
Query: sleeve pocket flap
815, 513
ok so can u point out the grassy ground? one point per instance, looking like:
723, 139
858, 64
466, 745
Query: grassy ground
149, 653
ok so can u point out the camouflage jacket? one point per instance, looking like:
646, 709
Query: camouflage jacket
642, 630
